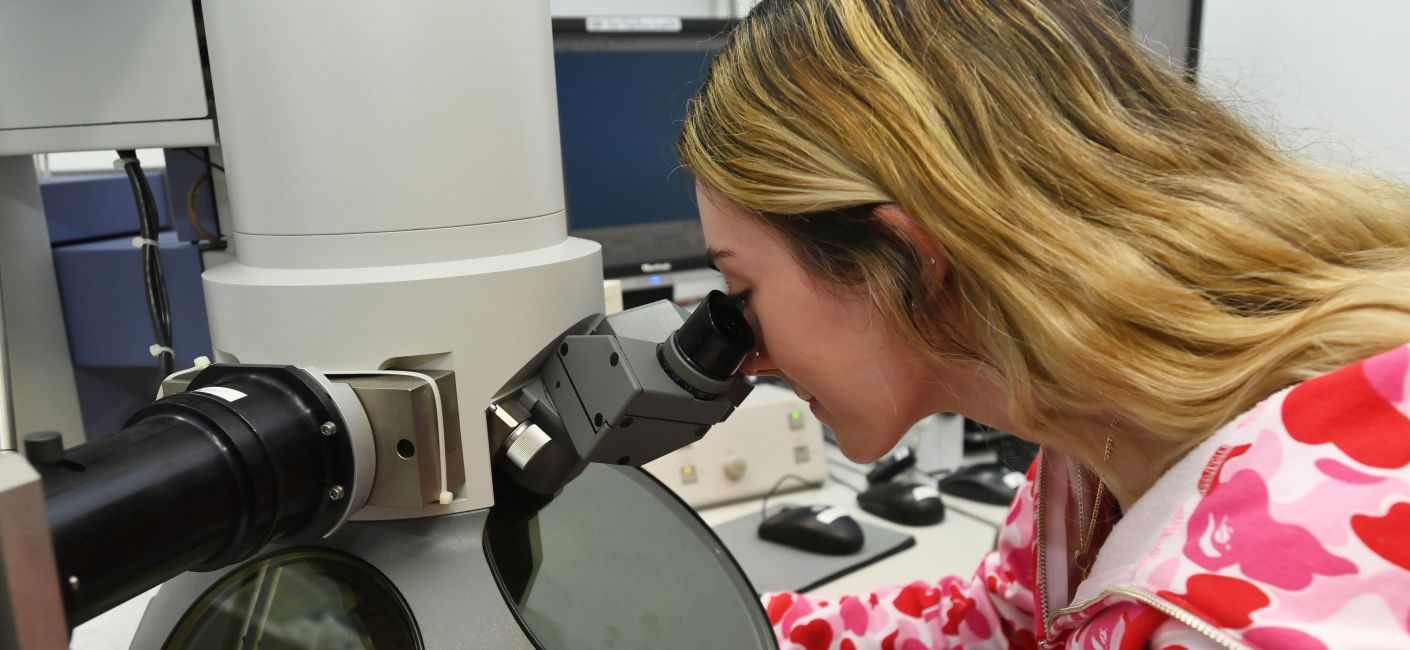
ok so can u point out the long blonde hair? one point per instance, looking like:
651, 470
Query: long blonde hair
1118, 244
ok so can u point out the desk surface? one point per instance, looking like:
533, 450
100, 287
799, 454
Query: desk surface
953, 547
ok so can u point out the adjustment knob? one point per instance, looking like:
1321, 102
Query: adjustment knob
734, 468
44, 448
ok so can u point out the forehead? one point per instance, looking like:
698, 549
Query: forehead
729, 227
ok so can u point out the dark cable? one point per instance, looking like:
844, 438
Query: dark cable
764, 507
153, 277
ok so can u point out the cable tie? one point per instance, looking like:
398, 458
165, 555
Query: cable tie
158, 350
139, 242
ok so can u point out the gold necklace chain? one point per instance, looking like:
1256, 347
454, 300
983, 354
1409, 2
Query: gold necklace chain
1081, 557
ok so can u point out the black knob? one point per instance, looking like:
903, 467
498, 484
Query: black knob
716, 337
44, 448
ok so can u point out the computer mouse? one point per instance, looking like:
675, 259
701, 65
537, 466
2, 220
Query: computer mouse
816, 529
903, 502
993, 483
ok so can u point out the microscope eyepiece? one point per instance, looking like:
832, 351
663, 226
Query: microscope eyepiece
715, 338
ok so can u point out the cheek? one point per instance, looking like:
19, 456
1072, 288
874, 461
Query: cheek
872, 398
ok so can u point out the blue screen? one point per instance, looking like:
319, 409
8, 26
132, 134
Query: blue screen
619, 115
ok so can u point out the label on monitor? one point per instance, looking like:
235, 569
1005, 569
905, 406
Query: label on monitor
633, 24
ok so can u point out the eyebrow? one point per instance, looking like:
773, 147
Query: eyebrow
716, 254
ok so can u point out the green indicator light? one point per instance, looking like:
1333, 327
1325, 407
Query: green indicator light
797, 415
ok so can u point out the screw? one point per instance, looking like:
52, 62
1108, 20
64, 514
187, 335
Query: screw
328, 429
336, 493
73, 583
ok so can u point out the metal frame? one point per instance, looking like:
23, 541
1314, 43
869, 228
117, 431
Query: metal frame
43, 392
31, 609
7, 408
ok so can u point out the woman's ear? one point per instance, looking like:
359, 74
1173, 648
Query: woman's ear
930, 253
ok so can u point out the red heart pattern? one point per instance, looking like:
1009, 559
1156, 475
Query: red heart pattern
1316, 412
815, 635
1227, 602
1388, 535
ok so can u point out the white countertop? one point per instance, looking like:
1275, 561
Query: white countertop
952, 547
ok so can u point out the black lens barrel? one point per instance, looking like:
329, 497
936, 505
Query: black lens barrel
197, 480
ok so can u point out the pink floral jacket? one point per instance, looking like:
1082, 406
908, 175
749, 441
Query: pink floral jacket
1289, 528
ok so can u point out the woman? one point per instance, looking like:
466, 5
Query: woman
1004, 208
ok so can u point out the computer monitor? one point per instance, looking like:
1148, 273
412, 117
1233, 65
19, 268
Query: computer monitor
622, 98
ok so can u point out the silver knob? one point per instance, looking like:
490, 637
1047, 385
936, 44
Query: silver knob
735, 467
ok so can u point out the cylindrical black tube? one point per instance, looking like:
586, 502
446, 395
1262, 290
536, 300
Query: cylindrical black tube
716, 337
197, 480
149, 502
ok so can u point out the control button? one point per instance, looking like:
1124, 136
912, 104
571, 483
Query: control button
734, 468
795, 420
800, 454
688, 474
44, 448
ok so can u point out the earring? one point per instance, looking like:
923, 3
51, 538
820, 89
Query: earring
756, 354
932, 261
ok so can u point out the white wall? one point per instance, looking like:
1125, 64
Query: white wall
682, 8
1327, 79
95, 161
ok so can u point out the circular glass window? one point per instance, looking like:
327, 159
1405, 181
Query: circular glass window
299, 600
615, 560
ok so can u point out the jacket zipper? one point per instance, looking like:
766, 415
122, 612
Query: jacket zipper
1165, 607
1041, 516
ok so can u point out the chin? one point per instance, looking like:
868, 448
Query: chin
863, 445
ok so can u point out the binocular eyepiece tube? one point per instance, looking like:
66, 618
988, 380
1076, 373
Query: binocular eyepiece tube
644, 383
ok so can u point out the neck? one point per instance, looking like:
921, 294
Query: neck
1137, 458
1136, 461
1128, 481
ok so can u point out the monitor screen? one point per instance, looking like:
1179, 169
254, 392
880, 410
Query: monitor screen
621, 101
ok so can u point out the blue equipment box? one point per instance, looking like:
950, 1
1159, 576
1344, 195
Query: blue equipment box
84, 207
105, 302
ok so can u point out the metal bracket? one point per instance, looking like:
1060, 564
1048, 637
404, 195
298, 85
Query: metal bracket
31, 609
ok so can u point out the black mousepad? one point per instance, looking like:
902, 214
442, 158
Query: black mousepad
775, 567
